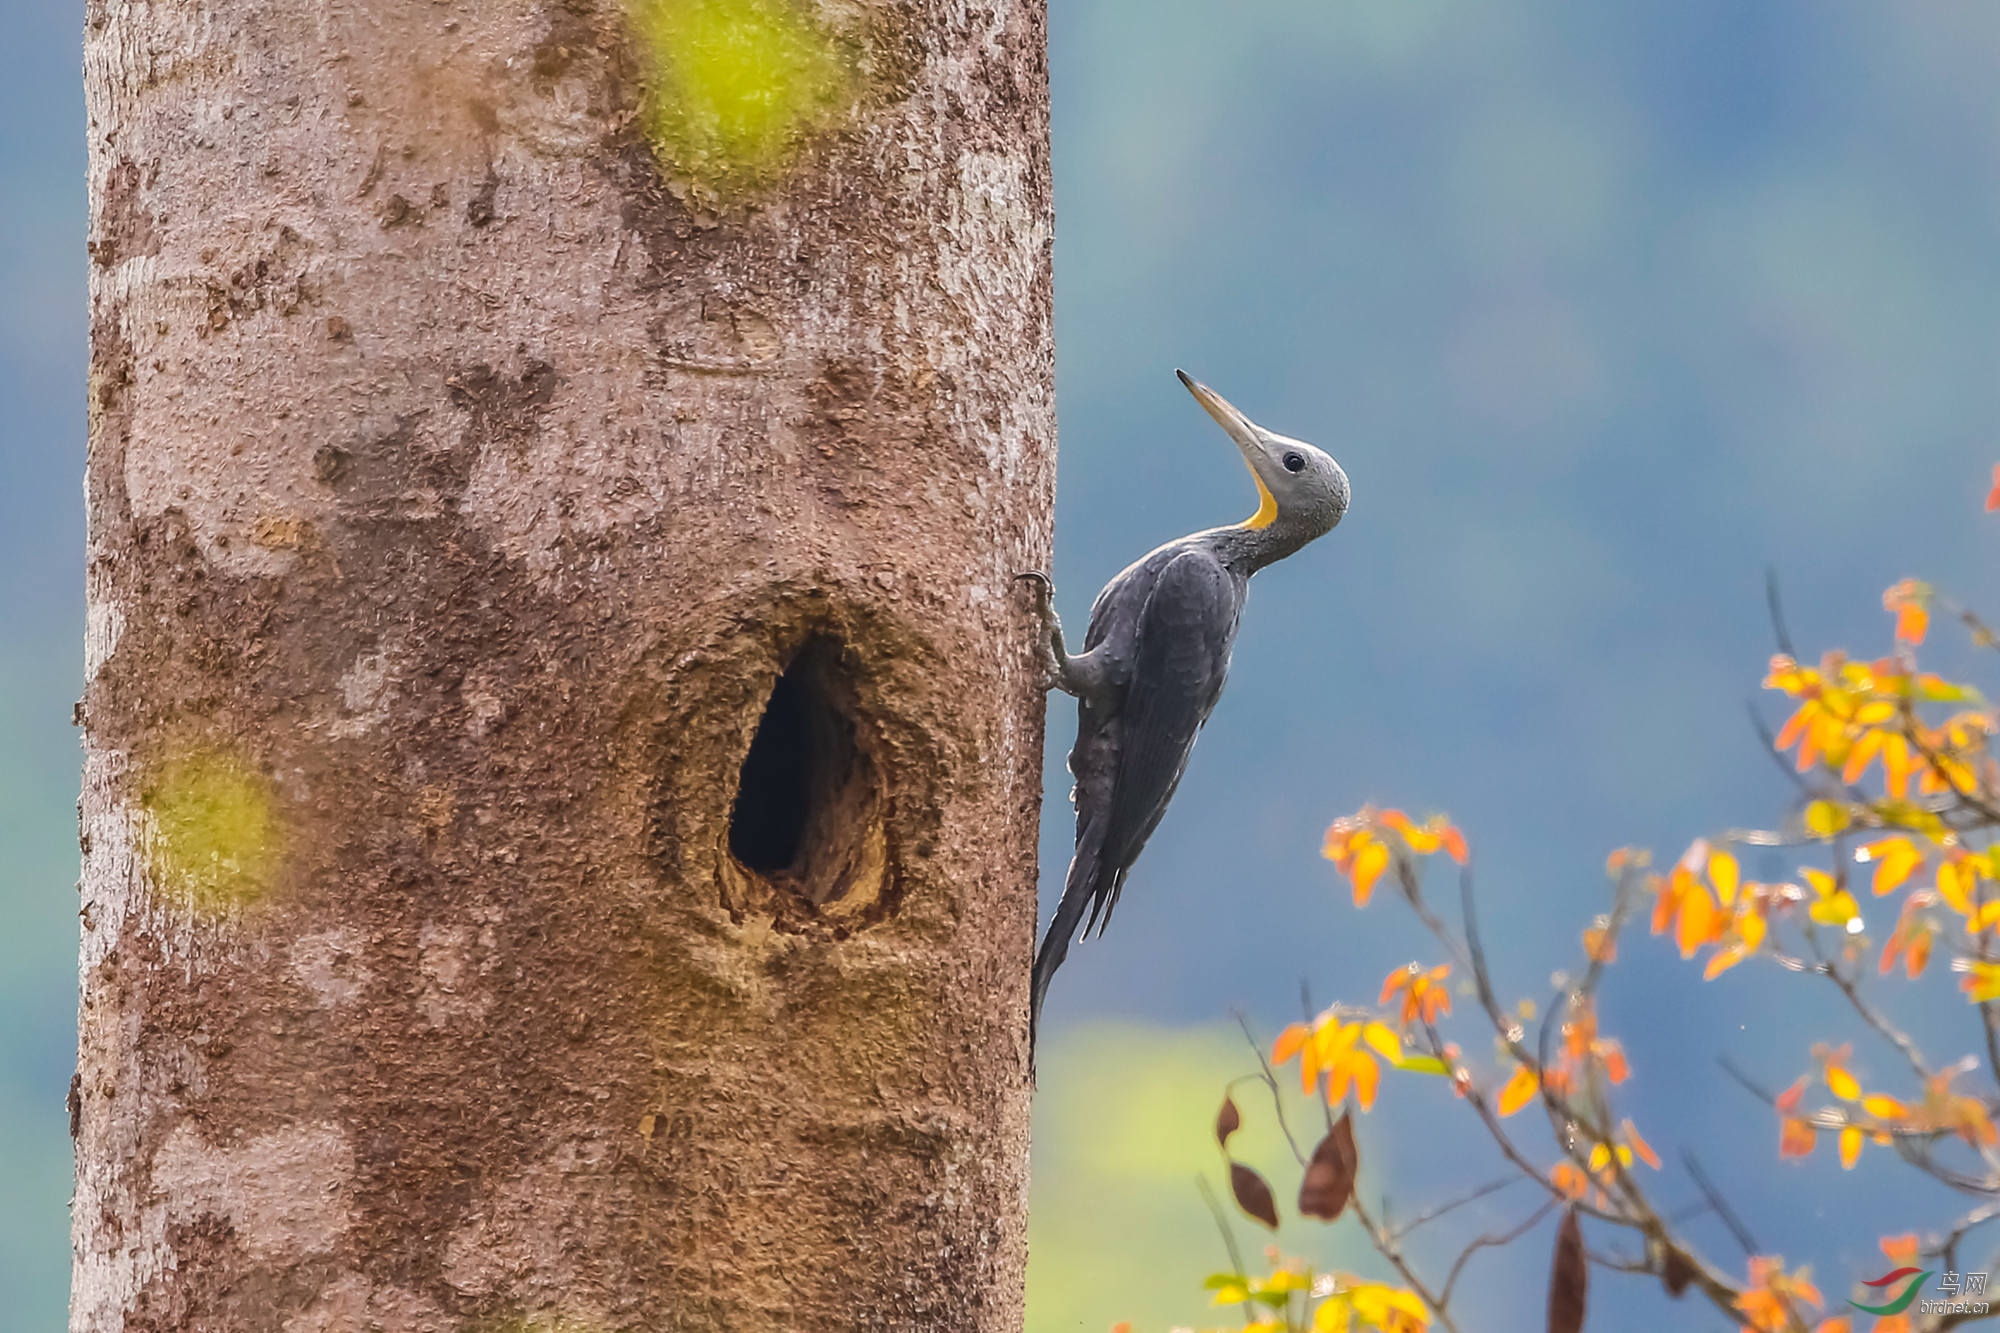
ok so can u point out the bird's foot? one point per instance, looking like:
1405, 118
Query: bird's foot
1051, 654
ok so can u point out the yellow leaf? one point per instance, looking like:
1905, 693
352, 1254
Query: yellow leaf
1334, 1040
1385, 1042
1896, 859
1850, 1146
1369, 863
1825, 818
1882, 1107
1600, 1157
1520, 1088
1982, 979
1955, 880
1333, 1316
1842, 1084
1723, 873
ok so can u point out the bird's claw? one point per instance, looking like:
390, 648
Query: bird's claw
1052, 674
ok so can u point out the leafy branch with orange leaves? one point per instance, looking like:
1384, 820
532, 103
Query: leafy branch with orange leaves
1898, 803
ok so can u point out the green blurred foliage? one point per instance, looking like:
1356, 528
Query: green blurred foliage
1123, 1125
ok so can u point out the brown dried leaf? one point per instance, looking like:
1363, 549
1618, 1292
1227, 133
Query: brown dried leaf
1329, 1181
1676, 1273
1253, 1196
1569, 1277
1227, 1121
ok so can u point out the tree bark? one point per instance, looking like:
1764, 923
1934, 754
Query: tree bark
561, 748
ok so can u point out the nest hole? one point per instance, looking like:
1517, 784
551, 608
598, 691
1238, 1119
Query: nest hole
807, 813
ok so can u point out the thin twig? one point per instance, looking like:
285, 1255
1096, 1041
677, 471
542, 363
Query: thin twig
1271, 1081
1228, 1241
1494, 1240
1430, 1215
1718, 1204
1775, 604
1830, 969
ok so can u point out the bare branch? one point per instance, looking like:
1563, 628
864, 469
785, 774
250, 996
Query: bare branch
1386, 1246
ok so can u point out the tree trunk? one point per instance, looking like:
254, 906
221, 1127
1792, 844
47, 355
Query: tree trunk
562, 753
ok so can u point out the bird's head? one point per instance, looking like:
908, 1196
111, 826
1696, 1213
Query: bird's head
1302, 492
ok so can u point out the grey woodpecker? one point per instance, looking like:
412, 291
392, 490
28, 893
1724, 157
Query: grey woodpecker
1153, 664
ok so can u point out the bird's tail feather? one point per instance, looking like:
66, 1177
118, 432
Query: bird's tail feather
1084, 888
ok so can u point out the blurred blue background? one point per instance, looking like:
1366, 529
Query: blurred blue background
1606, 309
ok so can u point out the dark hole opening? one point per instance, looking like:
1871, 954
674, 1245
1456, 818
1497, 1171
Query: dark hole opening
799, 762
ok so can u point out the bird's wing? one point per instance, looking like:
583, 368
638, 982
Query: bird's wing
1180, 657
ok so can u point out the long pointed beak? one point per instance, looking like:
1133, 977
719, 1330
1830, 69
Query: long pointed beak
1241, 429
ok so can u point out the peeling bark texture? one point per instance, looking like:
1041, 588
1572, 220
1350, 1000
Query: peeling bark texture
470, 479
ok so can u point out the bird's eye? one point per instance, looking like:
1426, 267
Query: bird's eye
1295, 462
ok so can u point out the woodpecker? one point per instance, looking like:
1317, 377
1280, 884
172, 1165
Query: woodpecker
1153, 664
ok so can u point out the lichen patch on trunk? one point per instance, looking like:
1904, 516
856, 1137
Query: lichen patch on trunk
214, 837
736, 88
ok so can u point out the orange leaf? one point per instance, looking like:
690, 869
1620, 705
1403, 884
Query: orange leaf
1911, 622
1367, 1076
1667, 902
1903, 1249
1917, 953
1788, 1100
1897, 765
1288, 1043
1640, 1146
1795, 726
1722, 960
1796, 1137
1519, 1090
1454, 845
1699, 921
1993, 496
1909, 599
1862, 755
